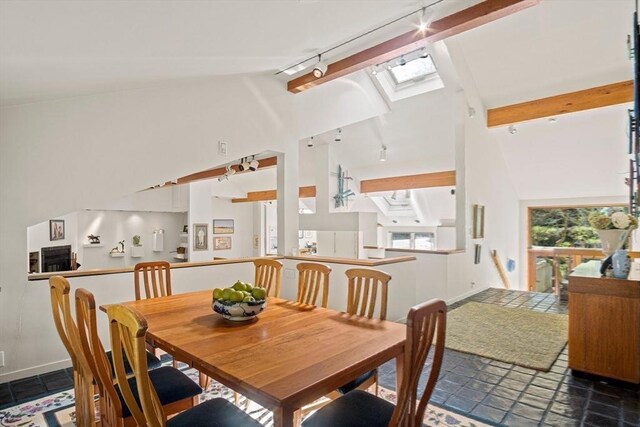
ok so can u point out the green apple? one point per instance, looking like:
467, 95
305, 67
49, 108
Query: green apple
217, 293
259, 293
226, 293
236, 296
239, 286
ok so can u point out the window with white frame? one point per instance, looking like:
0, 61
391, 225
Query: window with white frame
412, 240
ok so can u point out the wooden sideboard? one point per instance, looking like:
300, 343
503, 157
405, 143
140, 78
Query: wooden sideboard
604, 324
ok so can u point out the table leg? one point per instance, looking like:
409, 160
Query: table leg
399, 371
283, 417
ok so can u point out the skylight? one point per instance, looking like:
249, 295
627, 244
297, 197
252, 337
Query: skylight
412, 74
415, 69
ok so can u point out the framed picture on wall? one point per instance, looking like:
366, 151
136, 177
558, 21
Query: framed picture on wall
56, 229
478, 222
221, 243
200, 237
223, 226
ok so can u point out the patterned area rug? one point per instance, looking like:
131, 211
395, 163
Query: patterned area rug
58, 411
513, 335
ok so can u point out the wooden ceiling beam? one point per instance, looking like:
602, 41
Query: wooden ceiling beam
456, 23
409, 182
266, 195
596, 97
214, 173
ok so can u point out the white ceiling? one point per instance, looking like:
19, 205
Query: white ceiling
555, 47
51, 49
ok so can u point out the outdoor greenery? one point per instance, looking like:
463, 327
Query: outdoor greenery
566, 227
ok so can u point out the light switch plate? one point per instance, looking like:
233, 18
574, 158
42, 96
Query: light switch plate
222, 148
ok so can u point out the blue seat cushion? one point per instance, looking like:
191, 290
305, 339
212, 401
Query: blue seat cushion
171, 386
152, 363
352, 385
213, 413
355, 409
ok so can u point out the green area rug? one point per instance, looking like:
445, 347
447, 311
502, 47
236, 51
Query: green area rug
513, 335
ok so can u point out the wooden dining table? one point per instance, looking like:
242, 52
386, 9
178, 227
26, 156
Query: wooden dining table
287, 357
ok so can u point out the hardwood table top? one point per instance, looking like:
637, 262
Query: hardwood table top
289, 356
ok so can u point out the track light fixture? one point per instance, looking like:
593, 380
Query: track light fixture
338, 136
253, 166
244, 165
230, 170
513, 130
425, 20
223, 177
320, 68
310, 142
383, 153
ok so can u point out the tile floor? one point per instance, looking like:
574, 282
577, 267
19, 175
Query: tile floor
502, 393
499, 393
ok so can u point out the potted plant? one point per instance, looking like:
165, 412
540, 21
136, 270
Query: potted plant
613, 229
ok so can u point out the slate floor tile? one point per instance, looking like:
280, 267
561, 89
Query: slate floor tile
556, 420
460, 404
527, 411
593, 419
27, 388
518, 421
498, 402
5, 394
58, 380
488, 413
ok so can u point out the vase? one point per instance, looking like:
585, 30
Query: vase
612, 240
621, 264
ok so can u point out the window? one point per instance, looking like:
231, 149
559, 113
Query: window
422, 240
415, 69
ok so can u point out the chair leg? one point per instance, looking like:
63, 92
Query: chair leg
297, 418
203, 380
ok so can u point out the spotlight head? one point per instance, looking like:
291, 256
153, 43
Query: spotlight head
230, 170
383, 153
513, 130
320, 68
223, 177
402, 62
254, 165
338, 135
310, 142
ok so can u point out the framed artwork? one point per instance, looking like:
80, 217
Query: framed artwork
221, 243
200, 237
307, 234
300, 234
56, 229
478, 222
222, 226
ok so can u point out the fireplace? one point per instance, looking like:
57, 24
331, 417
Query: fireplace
56, 258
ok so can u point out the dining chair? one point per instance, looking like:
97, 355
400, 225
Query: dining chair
176, 391
156, 277
268, 275
361, 409
128, 330
364, 286
313, 278
82, 376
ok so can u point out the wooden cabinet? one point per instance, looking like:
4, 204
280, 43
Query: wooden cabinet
604, 324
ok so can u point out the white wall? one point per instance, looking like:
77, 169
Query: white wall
62, 156
114, 226
38, 235
242, 237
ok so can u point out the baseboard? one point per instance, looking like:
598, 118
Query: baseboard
35, 370
466, 295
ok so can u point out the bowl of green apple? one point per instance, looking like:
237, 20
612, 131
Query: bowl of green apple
240, 302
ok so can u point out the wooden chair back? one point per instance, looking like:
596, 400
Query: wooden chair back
68, 331
156, 277
362, 292
110, 405
128, 330
313, 278
268, 275
424, 322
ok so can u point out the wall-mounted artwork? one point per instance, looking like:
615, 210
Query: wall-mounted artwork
200, 237
221, 243
223, 226
478, 222
56, 229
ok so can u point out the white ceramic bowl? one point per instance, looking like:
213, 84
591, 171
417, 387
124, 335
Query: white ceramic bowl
238, 311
